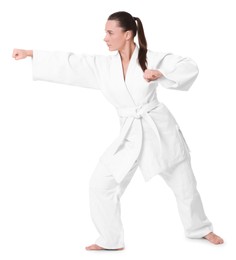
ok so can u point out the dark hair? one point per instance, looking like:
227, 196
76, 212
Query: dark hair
128, 23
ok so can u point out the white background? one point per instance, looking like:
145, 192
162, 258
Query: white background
51, 135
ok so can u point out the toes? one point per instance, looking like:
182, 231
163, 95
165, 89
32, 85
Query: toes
94, 247
213, 238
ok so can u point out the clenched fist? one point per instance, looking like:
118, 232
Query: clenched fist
150, 75
21, 54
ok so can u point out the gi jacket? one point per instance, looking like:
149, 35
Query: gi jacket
148, 131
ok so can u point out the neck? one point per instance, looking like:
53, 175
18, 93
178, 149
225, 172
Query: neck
127, 51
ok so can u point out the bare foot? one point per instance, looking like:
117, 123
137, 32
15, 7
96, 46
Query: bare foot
213, 238
96, 247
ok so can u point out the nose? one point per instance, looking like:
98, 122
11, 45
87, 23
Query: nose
105, 39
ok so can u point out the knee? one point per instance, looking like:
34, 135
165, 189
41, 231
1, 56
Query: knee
101, 179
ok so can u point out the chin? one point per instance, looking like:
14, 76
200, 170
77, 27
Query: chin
111, 48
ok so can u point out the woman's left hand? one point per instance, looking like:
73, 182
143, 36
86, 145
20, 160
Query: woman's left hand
150, 75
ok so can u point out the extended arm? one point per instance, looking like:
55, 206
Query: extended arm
63, 67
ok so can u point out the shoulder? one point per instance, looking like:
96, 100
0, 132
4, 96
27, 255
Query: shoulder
155, 57
106, 58
157, 54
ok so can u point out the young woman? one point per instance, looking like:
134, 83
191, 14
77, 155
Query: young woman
149, 138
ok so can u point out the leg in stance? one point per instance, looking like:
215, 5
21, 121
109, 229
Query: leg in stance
105, 194
183, 183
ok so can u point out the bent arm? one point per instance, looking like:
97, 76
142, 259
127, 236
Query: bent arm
178, 72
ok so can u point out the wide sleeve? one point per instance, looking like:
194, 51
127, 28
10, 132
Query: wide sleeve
178, 72
66, 68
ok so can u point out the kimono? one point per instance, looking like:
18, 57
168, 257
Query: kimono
149, 134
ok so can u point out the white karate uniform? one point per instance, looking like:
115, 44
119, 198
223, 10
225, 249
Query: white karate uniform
149, 136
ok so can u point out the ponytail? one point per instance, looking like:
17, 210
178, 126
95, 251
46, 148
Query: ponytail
142, 55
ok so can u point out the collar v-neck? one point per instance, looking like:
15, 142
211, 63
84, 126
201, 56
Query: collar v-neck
131, 61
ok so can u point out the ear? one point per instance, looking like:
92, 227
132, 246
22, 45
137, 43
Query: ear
128, 35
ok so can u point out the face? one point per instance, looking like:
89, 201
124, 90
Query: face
115, 37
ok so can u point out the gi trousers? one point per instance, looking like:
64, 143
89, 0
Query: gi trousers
105, 194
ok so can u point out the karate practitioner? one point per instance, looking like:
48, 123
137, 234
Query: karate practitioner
150, 137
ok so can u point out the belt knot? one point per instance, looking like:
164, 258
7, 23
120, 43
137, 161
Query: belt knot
138, 112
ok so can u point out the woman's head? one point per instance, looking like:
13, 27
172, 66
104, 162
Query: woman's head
122, 27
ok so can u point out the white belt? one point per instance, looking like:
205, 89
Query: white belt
137, 112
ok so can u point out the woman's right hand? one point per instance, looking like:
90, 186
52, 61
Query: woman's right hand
19, 54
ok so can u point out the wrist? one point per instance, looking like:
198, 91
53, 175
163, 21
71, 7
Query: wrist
160, 73
29, 53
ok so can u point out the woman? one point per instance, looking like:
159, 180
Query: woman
149, 138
